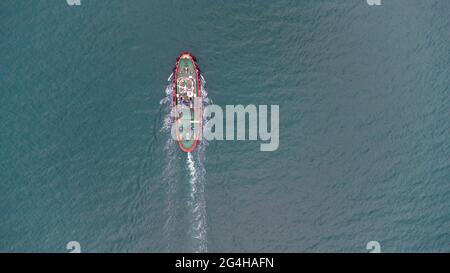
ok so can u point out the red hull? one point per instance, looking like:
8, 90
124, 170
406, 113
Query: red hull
199, 100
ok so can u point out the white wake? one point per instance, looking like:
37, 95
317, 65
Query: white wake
196, 173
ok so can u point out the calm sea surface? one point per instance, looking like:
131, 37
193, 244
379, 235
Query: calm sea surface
364, 96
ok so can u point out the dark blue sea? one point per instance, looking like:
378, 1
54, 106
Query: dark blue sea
364, 126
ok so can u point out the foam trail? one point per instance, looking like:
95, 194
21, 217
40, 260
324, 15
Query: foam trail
197, 181
196, 173
169, 171
197, 203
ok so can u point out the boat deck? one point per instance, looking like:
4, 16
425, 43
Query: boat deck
186, 78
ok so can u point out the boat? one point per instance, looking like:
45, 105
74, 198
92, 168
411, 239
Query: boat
187, 102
